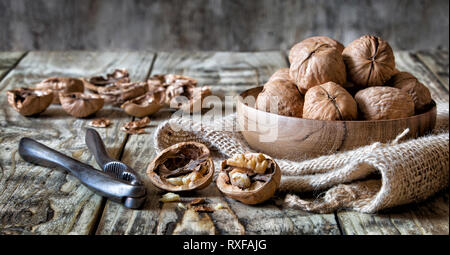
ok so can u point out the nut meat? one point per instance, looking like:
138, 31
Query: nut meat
370, 61
317, 63
384, 103
182, 167
29, 102
251, 178
408, 83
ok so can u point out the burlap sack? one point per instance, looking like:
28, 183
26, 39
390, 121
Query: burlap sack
366, 179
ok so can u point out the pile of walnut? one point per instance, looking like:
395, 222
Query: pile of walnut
327, 81
84, 97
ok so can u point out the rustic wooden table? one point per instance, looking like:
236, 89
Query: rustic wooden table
38, 200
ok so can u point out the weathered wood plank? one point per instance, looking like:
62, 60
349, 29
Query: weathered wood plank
8, 60
429, 217
40, 200
223, 71
437, 63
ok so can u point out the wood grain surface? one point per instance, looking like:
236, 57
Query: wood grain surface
37, 200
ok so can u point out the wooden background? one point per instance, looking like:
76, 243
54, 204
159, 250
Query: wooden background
219, 25
39, 200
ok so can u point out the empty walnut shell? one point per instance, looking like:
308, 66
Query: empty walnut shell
186, 97
411, 85
294, 52
262, 185
117, 76
384, 103
28, 101
61, 85
145, 105
281, 93
119, 93
80, 105
184, 166
317, 63
329, 101
370, 61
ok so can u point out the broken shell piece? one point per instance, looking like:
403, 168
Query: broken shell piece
28, 101
197, 201
203, 208
96, 82
182, 167
219, 206
189, 100
144, 105
136, 127
80, 105
241, 181
61, 85
169, 197
102, 122
121, 92
181, 206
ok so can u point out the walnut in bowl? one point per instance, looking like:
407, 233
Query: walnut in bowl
250, 178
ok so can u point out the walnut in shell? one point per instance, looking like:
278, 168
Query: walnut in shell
28, 101
251, 178
282, 94
329, 101
145, 105
186, 97
281, 74
370, 61
61, 85
119, 93
295, 50
317, 63
182, 167
384, 103
117, 76
411, 85
80, 105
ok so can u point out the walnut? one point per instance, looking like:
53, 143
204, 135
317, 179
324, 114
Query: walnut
329, 101
408, 83
383, 103
317, 63
251, 178
182, 167
117, 76
370, 61
294, 52
101, 122
283, 94
136, 126
61, 85
119, 93
187, 98
28, 101
80, 105
145, 105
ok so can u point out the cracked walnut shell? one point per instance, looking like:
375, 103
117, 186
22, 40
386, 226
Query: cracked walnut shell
117, 76
28, 101
61, 85
317, 63
411, 85
370, 61
329, 101
250, 178
145, 105
182, 167
119, 93
384, 103
80, 105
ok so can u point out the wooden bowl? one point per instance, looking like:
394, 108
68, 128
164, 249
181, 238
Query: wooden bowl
291, 137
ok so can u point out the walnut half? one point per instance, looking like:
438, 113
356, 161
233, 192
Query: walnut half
250, 178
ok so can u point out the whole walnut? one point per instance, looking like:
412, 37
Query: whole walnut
370, 61
281, 74
284, 94
408, 83
317, 63
293, 53
329, 101
384, 103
